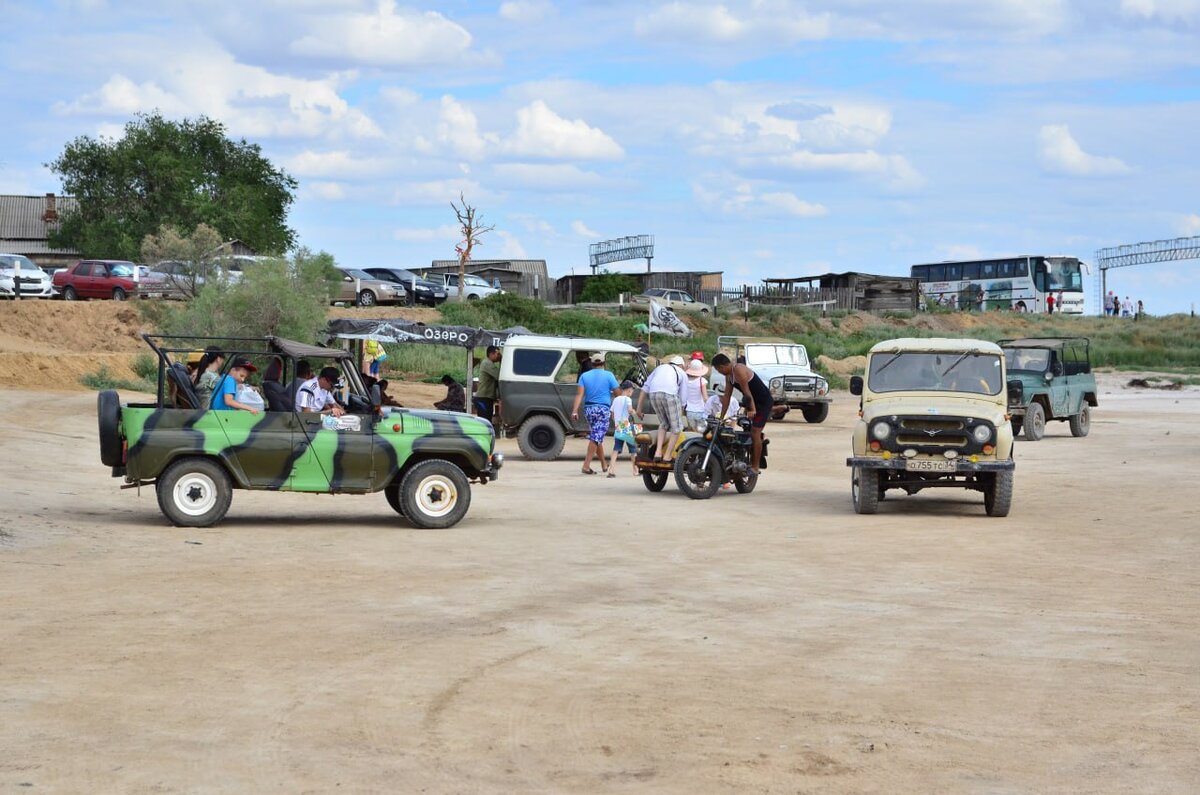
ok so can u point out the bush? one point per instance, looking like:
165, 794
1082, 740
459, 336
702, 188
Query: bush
606, 287
146, 366
102, 379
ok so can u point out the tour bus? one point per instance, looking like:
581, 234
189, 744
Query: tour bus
1018, 283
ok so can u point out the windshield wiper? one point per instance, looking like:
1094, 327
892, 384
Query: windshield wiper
957, 362
888, 363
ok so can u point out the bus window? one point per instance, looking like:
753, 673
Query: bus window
970, 271
953, 273
1005, 270
1021, 269
937, 273
987, 270
920, 273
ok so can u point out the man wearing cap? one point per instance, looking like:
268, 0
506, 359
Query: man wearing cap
315, 394
224, 397
667, 387
596, 389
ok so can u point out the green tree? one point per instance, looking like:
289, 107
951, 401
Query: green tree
606, 286
278, 297
167, 173
196, 254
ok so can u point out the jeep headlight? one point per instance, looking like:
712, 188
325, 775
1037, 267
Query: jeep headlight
982, 433
881, 430
776, 384
822, 386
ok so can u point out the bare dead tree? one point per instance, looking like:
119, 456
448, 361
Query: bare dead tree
470, 222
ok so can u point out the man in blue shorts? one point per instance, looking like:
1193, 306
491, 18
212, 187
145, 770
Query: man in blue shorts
596, 389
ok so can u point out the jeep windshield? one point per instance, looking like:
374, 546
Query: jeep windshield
1035, 360
950, 371
775, 354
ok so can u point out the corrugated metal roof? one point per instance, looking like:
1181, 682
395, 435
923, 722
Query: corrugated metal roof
21, 217
31, 247
537, 266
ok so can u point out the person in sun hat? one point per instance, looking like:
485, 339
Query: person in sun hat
224, 397
667, 388
697, 393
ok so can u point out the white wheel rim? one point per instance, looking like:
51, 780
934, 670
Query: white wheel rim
436, 495
195, 494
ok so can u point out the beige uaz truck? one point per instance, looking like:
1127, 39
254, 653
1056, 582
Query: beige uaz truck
934, 414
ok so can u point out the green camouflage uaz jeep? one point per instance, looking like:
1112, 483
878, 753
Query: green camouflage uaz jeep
423, 461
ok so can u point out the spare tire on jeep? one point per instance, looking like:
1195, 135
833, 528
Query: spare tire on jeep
108, 414
541, 438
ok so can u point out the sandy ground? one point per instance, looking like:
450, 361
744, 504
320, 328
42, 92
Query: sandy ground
581, 634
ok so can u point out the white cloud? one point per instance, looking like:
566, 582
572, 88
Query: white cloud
439, 192
249, 99
553, 177
761, 21
526, 10
1170, 10
1060, 153
329, 191
385, 37
458, 130
581, 229
338, 163
956, 251
1189, 225
894, 170
510, 247
743, 202
542, 133
446, 233
534, 224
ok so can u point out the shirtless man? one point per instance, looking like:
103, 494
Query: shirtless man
755, 397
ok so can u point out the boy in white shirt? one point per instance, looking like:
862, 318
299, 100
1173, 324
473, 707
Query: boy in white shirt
622, 410
713, 406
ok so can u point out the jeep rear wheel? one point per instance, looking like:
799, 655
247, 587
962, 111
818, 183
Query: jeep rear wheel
997, 495
1035, 422
864, 489
541, 438
1081, 423
194, 492
435, 494
108, 412
816, 412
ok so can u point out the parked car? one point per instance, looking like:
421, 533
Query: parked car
421, 291
97, 278
423, 461
675, 300
361, 288
34, 281
538, 377
1054, 376
933, 414
474, 287
784, 367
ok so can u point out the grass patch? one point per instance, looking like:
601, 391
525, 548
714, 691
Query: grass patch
102, 379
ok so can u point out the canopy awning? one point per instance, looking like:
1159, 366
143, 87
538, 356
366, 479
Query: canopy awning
399, 330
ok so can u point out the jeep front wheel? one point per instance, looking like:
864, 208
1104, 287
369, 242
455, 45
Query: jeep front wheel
815, 412
1035, 422
194, 492
435, 494
392, 492
541, 438
997, 495
1081, 423
864, 489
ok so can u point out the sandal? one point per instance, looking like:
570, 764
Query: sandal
612, 474
588, 471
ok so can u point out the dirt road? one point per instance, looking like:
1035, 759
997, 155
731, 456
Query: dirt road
581, 634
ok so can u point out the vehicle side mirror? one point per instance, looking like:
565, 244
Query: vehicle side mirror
347, 279
376, 396
1016, 392
856, 385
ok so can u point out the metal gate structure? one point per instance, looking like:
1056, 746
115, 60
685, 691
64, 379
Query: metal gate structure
1141, 254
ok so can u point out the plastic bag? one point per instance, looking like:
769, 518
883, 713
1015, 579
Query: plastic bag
247, 396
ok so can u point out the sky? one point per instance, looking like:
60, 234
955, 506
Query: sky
761, 138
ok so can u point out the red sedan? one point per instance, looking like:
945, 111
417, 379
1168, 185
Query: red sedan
97, 278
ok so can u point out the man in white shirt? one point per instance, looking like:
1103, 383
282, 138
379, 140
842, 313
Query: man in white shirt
314, 394
667, 388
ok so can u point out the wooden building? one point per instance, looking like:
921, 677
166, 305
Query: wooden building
867, 292
25, 226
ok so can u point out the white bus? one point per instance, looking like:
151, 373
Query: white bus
1018, 283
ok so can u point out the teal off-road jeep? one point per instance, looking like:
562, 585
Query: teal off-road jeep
1054, 382
423, 461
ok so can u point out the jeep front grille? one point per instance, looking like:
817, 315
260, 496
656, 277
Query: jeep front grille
925, 440
926, 425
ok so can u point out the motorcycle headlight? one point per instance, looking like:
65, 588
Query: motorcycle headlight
881, 430
982, 433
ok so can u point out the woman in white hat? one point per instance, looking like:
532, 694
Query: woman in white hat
697, 394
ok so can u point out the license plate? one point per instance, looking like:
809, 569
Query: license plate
928, 465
